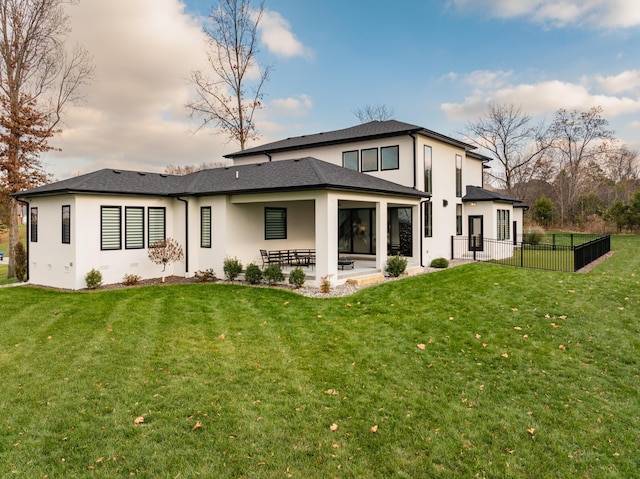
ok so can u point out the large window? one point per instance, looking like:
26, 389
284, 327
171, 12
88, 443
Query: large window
205, 227
458, 219
66, 224
350, 160
110, 227
400, 231
459, 176
369, 159
157, 225
34, 225
390, 157
428, 169
134, 227
275, 223
356, 230
503, 226
428, 219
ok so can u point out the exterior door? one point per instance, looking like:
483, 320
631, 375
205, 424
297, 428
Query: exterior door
476, 235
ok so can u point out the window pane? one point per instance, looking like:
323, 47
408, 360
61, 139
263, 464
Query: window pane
110, 223
205, 227
428, 169
458, 219
275, 223
157, 229
390, 157
134, 227
34, 225
66, 224
428, 219
350, 160
370, 159
459, 176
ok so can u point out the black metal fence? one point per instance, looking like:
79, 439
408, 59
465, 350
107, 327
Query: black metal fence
562, 252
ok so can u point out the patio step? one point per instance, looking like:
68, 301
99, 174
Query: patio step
366, 280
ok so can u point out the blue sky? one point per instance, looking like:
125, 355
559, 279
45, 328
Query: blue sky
435, 63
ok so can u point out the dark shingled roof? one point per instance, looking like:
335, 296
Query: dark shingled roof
475, 193
370, 130
288, 175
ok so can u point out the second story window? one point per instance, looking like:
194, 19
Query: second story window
350, 160
390, 157
428, 169
369, 158
459, 176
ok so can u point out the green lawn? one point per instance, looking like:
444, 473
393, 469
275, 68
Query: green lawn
519, 374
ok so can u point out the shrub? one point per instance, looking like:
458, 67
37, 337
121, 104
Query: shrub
20, 264
396, 265
253, 274
165, 252
232, 268
439, 263
325, 283
297, 277
131, 279
93, 279
273, 274
534, 235
205, 276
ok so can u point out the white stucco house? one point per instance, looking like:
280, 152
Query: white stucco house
366, 192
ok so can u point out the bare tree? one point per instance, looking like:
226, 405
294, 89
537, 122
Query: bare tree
228, 95
509, 137
368, 113
164, 252
187, 169
580, 138
38, 78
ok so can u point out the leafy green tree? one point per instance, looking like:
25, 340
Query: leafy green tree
619, 214
634, 211
543, 211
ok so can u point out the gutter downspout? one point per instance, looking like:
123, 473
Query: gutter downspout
186, 233
268, 156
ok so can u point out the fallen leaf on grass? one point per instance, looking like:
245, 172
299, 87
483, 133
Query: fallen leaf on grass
374, 429
517, 328
505, 355
138, 420
221, 336
562, 346
531, 431
554, 325
478, 336
332, 392
422, 346
514, 309
333, 427
197, 425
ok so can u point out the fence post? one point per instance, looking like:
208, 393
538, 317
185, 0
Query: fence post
452, 247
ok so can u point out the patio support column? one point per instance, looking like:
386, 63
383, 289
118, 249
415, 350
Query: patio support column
326, 210
381, 234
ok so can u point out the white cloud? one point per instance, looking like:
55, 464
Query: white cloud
276, 34
292, 105
628, 81
560, 13
546, 97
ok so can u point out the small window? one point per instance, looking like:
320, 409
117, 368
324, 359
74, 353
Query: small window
503, 230
205, 227
428, 220
458, 219
350, 160
110, 227
134, 227
369, 159
390, 157
428, 169
275, 223
34, 225
66, 224
459, 176
157, 226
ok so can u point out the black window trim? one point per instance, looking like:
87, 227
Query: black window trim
33, 225
126, 227
102, 209
377, 168
66, 226
357, 152
203, 236
149, 225
268, 209
382, 148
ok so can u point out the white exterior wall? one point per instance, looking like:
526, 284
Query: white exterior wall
56, 263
